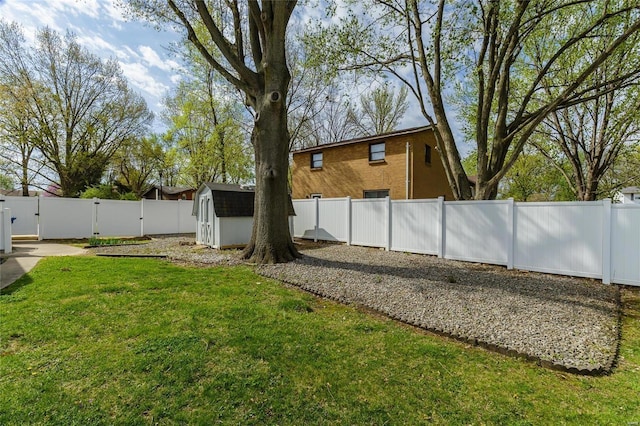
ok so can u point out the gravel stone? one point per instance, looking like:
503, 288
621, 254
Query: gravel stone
567, 323
178, 248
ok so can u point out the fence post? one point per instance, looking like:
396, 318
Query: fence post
179, 211
317, 225
389, 230
142, 217
5, 227
510, 232
348, 199
41, 201
606, 241
94, 222
441, 227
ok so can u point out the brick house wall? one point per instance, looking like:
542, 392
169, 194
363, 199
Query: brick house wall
347, 171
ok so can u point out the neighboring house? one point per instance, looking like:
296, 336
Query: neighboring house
157, 192
630, 194
17, 193
403, 164
224, 214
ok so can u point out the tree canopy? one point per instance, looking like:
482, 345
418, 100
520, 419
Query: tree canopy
491, 47
79, 107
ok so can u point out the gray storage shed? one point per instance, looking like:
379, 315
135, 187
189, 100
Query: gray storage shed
224, 214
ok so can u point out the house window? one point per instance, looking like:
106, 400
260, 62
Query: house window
427, 154
377, 193
316, 160
376, 152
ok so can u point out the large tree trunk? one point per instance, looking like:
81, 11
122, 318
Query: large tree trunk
271, 240
450, 156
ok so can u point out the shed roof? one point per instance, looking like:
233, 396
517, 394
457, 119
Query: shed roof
231, 200
630, 190
169, 190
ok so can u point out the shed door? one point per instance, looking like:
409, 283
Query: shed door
210, 221
204, 219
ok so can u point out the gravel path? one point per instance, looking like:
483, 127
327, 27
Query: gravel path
566, 323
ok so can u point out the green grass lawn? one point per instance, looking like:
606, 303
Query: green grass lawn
86, 340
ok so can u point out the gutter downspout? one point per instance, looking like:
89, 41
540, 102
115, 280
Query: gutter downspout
407, 176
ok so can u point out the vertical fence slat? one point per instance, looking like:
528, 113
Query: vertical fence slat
388, 223
606, 241
442, 227
348, 201
511, 232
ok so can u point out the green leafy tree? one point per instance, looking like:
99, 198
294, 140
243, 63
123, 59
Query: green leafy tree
17, 129
590, 136
532, 179
136, 164
81, 106
6, 182
205, 129
429, 44
107, 191
244, 42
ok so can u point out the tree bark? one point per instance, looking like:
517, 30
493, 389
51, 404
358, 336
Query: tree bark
271, 240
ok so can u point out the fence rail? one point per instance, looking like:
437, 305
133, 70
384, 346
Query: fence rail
586, 239
53, 217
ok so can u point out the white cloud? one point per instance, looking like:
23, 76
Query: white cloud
98, 44
140, 77
151, 57
114, 12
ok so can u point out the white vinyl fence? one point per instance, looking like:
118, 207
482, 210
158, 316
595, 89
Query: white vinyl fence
585, 239
53, 217
5, 230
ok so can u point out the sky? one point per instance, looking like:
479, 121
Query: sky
141, 50
102, 28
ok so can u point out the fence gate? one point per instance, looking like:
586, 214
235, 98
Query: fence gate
25, 210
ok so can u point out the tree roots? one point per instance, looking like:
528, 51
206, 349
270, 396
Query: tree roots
266, 253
